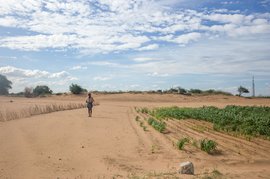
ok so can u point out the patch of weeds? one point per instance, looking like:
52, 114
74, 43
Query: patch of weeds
153, 149
144, 128
195, 144
208, 146
145, 110
181, 143
137, 118
199, 128
158, 125
214, 175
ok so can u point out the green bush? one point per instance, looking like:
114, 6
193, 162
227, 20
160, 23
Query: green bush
42, 90
158, 125
76, 89
145, 110
181, 143
208, 146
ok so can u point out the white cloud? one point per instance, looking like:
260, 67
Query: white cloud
144, 59
25, 77
156, 74
186, 38
149, 47
104, 26
102, 78
25, 73
79, 67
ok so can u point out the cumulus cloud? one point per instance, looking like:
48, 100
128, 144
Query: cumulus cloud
186, 38
105, 26
25, 73
30, 77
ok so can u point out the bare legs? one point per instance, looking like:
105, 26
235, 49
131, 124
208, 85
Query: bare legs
89, 112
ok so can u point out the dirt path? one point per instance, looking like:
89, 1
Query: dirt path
69, 144
111, 144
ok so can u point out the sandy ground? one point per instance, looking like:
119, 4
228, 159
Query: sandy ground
111, 144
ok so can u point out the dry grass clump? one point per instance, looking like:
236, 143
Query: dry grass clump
38, 109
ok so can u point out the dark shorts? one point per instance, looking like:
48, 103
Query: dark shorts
89, 105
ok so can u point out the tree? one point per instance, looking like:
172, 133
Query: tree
41, 90
76, 89
195, 91
242, 90
5, 85
28, 92
181, 90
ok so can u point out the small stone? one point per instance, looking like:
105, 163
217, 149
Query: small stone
82, 146
186, 168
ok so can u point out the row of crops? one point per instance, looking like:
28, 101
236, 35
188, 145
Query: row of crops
246, 120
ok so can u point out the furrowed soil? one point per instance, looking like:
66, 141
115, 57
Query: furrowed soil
112, 144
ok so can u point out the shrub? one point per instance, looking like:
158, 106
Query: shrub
208, 146
145, 110
28, 92
76, 89
195, 91
158, 125
181, 143
41, 90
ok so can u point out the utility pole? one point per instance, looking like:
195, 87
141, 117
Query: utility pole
253, 87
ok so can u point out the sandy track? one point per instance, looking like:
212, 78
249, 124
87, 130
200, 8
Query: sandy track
111, 144
69, 144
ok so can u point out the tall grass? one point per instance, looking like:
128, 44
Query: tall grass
38, 109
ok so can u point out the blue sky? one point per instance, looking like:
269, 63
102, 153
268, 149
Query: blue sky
136, 44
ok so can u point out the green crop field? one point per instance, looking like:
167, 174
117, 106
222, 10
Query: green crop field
244, 120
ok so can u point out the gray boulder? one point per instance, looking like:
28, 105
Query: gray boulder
186, 168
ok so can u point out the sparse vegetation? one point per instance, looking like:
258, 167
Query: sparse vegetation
158, 125
181, 143
145, 110
37, 109
208, 146
137, 119
28, 92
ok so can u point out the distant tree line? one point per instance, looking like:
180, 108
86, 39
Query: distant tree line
42, 90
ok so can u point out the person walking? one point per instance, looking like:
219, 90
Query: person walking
90, 103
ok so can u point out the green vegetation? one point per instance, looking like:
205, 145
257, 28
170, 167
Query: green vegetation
242, 90
181, 143
42, 90
5, 85
208, 146
137, 119
244, 120
76, 89
145, 110
158, 125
